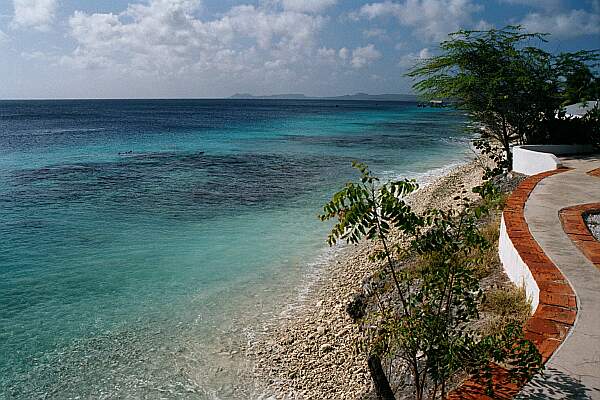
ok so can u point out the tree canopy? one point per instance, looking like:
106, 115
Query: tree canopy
506, 82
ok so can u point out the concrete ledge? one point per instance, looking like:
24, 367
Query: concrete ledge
526, 263
534, 159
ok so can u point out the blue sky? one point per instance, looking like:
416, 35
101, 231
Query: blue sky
215, 48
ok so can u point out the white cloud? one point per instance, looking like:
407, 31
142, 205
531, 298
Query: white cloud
344, 53
483, 25
425, 54
543, 4
375, 33
3, 37
553, 16
363, 56
165, 37
566, 24
328, 56
411, 59
36, 55
313, 6
37, 14
328, 53
432, 20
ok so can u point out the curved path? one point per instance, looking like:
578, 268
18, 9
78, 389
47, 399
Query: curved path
573, 371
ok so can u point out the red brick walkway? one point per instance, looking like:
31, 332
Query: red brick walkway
557, 308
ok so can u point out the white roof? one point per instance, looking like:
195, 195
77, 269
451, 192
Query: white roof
580, 109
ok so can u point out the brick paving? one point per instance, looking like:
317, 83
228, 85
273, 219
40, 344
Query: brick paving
553, 214
543, 217
594, 172
556, 311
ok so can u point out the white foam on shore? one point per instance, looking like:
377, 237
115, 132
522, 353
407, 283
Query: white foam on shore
313, 270
426, 178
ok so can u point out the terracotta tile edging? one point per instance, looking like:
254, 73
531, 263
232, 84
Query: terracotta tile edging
572, 219
557, 309
594, 172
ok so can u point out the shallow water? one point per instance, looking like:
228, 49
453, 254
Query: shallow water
142, 240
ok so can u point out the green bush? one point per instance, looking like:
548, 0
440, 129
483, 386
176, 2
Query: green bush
425, 321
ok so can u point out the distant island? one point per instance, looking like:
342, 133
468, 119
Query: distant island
356, 96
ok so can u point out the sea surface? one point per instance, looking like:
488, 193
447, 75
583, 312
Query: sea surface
141, 241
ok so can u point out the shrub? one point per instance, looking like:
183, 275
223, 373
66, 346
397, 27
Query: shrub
425, 320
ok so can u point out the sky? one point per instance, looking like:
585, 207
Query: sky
215, 48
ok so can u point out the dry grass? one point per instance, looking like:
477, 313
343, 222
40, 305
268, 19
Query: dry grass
504, 303
487, 259
504, 306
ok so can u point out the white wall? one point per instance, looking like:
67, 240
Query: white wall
533, 159
516, 269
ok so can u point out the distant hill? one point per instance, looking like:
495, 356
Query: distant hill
357, 96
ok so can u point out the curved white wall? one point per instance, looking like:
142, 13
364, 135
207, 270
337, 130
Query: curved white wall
533, 159
518, 272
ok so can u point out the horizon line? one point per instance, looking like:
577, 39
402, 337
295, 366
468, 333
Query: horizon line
231, 97
182, 98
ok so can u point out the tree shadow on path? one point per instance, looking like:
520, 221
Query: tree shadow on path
555, 384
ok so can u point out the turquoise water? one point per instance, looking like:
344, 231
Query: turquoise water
141, 239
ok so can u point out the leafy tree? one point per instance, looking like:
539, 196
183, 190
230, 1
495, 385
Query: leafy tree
579, 81
425, 319
506, 84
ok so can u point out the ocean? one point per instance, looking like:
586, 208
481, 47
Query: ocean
142, 240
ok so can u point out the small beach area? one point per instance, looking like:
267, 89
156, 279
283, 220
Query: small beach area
309, 352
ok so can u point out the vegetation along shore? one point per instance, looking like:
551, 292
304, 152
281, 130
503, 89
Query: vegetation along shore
311, 352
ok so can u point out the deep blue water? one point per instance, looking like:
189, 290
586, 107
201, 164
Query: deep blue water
137, 237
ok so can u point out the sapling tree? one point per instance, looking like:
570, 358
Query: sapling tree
368, 210
423, 316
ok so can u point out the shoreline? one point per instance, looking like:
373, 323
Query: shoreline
308, 350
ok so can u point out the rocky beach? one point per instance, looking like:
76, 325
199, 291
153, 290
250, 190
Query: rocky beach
310, 353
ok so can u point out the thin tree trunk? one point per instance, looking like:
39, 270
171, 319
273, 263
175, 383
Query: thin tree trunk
382, 385
509, 157
506, 142
417, 378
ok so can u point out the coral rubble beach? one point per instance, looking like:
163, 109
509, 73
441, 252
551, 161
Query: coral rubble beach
310, 353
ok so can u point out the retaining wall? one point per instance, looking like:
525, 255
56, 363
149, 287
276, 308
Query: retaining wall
516, 269
534, 159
